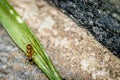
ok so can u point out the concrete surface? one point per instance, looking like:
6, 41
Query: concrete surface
73, 50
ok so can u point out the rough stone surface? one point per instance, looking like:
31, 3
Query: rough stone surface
100, 17
73, 50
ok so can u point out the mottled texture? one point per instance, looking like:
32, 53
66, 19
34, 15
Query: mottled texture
73, 50
100, 17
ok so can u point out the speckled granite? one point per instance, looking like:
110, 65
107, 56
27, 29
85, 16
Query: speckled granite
73, 50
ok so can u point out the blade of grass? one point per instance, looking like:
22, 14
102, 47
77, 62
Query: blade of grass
22, 35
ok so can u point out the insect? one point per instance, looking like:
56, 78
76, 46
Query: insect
30, 51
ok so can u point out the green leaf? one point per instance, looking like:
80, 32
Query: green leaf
22, 35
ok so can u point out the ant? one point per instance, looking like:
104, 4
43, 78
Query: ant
29, 50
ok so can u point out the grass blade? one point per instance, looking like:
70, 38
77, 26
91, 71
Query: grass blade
22, 35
